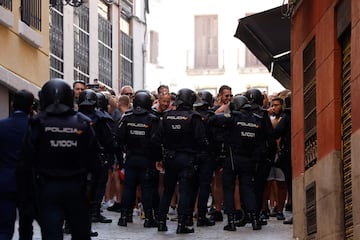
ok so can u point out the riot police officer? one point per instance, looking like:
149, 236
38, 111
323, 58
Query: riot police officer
241, 130
58, 152
205, 160
266, 149
182, 134
135, 134
88, 101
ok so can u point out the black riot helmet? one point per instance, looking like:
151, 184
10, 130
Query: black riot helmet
56, 97
207, 98
102, 101
185, 97
239, 102
88, 98
254, 95
142, 102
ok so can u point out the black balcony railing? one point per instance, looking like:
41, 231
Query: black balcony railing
6, 4
31, 13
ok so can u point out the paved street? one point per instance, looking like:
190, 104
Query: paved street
274, 230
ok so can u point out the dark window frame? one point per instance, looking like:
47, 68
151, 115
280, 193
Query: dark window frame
31, 13
6, 4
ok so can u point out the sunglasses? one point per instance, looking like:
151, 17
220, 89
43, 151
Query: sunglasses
129, 94
228, 95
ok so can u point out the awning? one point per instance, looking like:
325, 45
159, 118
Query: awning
267, 36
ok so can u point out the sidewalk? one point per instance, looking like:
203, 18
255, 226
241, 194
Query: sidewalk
274, 230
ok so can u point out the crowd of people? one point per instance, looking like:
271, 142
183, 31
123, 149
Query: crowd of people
86, 148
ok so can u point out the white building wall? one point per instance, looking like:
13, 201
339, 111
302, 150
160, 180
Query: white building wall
115, 47
68, 44
138, 23
93, 41
174, 20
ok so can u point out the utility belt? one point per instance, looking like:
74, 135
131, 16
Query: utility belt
41, 178
241, 151
170, 154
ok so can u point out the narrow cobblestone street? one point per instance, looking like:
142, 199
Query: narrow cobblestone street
275, 230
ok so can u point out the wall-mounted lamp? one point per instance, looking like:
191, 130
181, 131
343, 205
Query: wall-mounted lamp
288, 7
73, 3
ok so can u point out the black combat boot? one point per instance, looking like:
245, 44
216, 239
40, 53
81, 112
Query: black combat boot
204, 221
231, 223
149, 219
96, 216
123, 218
256, 224
162, 223
241, 218
182, 228
189, 221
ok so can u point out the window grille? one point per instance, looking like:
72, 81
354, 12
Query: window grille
6, 4
81, 43
311, 223
31, 13
310, 128
56, 43
126, 60
105, 51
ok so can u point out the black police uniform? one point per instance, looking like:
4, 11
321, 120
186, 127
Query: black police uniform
240, 135
106, 147
135, 135
205, 161
183, 134
156, 195
58, 155
265, 154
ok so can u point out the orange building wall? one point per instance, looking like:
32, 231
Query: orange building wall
316, 18
355, 64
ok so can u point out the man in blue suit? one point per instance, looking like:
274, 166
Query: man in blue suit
12, 131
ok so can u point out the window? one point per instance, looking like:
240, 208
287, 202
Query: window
154, 47
206, 41
81, 43
309, 78
31, 13
126, 60
6, 4
56, 42
105, 51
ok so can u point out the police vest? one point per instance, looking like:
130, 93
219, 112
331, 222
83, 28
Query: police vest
178, 131
243, 134
61, 143
138, 133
